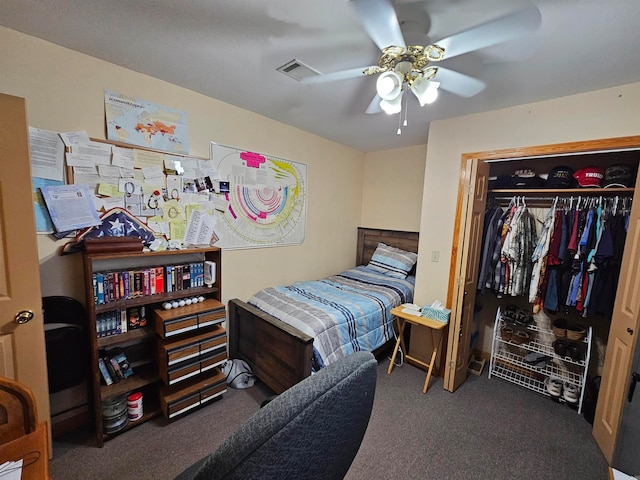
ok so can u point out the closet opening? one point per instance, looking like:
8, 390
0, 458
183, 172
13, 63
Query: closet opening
529, 353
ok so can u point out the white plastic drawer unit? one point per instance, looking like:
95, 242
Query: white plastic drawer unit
187, 357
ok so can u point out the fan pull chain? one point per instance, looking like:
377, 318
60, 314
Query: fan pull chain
404, 124
406, 110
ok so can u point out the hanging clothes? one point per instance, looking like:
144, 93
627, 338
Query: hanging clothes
608, 259
537, 286
491, 225
517, 247
574, 263
554, 260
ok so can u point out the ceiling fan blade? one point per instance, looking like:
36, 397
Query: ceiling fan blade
459, 83
379, 20
374, 106
335, 76
493, 32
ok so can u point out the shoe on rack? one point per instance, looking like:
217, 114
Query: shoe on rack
534, 357
509, 313
570, 392
542, 363
516, 315
554, 386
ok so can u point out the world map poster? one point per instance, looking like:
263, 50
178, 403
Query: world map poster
265, 204
145, 124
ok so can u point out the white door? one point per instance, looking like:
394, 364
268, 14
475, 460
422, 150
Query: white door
625, 322
22, 344
476, 175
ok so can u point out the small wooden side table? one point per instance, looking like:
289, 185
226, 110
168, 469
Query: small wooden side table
433, 325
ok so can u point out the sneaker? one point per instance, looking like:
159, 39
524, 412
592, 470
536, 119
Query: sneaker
554, 386
570, 392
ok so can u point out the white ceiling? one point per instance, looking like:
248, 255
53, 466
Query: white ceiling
230, 49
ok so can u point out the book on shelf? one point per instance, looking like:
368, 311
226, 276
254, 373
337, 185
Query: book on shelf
106, 377
111, 323
112, 372
100, 288
137, 283
118, 355
137, 317
109, 287
125, 278
116, 285
186, 277
159, 280
116, 367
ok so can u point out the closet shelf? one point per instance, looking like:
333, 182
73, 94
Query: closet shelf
560, 192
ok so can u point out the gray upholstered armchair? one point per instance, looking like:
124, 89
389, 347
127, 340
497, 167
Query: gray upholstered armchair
312, 430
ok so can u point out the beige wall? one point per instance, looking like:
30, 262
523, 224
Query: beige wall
64, 92
392, 190
601, 114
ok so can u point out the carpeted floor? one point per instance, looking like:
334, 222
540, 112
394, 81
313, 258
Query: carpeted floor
487, 429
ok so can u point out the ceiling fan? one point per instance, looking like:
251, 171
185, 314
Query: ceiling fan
404, 67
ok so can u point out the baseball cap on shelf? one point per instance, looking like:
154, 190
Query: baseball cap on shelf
501, 181
621, 176
560, 177
589, 176
526, 178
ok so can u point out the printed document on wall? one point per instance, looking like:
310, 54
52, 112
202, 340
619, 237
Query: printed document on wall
47, 154
71, 207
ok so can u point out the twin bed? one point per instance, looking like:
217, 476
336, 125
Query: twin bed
285, 333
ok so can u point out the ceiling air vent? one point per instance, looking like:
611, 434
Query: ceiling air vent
298, 70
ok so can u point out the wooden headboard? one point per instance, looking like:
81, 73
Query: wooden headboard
368, 239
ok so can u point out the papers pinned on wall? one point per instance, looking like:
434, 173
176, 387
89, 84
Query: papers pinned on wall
200, 229
70, 207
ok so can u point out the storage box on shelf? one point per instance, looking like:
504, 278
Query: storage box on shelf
122, 292
508, 352
192, 345
189, 356
192, 393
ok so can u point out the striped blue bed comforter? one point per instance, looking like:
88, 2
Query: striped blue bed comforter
344, 313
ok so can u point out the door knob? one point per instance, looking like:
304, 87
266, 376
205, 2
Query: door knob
23, 317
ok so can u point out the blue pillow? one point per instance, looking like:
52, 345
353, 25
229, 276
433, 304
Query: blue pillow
392, 261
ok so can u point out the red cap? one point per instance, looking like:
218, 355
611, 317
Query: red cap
589, 176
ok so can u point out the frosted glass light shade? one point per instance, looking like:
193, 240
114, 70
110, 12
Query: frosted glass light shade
426, 91
392, 106
389, 85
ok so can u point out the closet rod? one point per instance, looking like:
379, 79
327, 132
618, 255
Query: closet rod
528, 199
544, 202
551, 199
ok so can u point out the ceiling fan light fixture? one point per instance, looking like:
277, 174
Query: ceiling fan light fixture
404, 66
389, 85
426, 91
434, 53
392, 106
